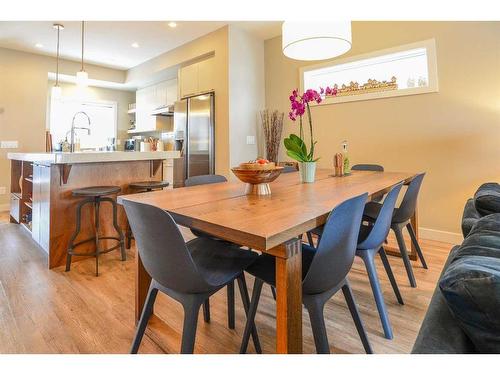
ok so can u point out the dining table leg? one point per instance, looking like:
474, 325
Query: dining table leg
142, 282
288, 297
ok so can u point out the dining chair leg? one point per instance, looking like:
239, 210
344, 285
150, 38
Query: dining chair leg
230, 305
191, 310
246, 306
416, 244
273, 291
143, 321
349, 298
310, 239
315, 309
252, 310
388, 270
404, 254
206, 311
368, 259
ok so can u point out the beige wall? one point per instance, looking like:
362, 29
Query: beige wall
246, 93
215, 43
122, 99
23, 101
453, 135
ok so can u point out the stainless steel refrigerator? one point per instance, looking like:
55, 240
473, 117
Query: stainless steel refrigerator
194, 133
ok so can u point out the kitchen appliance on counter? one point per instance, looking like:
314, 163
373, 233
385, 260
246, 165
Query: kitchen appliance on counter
132, 144
194, 122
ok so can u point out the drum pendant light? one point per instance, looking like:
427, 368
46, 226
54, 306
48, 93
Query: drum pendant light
56, 89
82, 76
316, 40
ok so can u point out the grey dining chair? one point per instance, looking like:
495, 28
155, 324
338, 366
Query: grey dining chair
324, 273
356, 167
289, 169
367, 167
400, 219
205, 180
187, 272
370, 241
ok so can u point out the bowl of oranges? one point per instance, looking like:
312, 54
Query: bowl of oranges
257, 174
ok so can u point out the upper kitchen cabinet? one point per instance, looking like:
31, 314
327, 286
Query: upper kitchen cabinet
189, 80
151, 98
206, 74
197, 78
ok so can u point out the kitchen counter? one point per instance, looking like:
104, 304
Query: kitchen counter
42, 184
91, 157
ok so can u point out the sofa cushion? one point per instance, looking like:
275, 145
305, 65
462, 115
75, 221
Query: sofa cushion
471, 287
469, 217
486, 224
483, 239
487, 198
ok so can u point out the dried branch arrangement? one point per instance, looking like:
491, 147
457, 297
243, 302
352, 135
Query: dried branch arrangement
272, 123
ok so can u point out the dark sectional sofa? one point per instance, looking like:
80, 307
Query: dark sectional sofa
464, 312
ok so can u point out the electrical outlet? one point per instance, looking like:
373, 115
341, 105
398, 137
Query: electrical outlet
3, 190
9, 144
250, 140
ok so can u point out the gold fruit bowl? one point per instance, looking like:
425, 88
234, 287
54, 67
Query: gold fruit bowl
257, 180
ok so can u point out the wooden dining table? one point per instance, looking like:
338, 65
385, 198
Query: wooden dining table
271, 224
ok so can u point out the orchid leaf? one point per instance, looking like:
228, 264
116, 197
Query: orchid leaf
295, 155
292, 146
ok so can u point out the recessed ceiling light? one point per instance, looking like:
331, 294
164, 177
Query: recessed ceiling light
39, 45
135, 45
172, 24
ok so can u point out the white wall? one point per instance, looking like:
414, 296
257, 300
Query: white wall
246, 93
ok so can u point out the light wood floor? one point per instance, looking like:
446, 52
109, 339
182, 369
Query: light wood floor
44, 311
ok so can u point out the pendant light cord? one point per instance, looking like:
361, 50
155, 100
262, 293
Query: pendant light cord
57, 60
83, 31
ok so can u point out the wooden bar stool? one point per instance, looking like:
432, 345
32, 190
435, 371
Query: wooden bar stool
95, 195
140, 187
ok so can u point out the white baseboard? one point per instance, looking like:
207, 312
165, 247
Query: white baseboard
440, 235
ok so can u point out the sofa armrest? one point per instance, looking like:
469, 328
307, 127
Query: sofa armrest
440, 333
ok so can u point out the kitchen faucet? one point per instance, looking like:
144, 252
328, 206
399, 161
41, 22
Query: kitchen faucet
73, 128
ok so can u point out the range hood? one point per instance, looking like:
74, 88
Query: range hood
164, 110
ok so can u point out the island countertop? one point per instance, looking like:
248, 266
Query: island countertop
92, 156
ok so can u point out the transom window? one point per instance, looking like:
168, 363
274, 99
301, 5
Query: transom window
404, 70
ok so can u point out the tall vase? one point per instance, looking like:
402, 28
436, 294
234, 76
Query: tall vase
307, 171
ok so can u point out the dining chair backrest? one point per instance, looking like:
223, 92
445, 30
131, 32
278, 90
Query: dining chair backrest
204, 179
337, 248
367, 167
162, 249
289, 169
382, 225
409, 203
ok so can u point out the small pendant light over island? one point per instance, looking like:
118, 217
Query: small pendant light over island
82, 76
56, 89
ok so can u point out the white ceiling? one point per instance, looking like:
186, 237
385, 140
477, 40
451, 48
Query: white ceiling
108, 43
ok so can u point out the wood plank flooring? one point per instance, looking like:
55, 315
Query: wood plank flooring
44, 311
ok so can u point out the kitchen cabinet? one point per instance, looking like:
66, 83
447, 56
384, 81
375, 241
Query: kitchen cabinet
149, 99
189, 80
206, 74
197, 78
172, 92
40, 221
145, 103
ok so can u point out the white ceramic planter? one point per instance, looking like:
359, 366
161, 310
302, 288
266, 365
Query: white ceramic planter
307, 171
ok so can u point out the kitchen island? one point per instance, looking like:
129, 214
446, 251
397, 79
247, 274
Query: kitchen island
42, 200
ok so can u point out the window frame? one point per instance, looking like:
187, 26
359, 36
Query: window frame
429, 45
